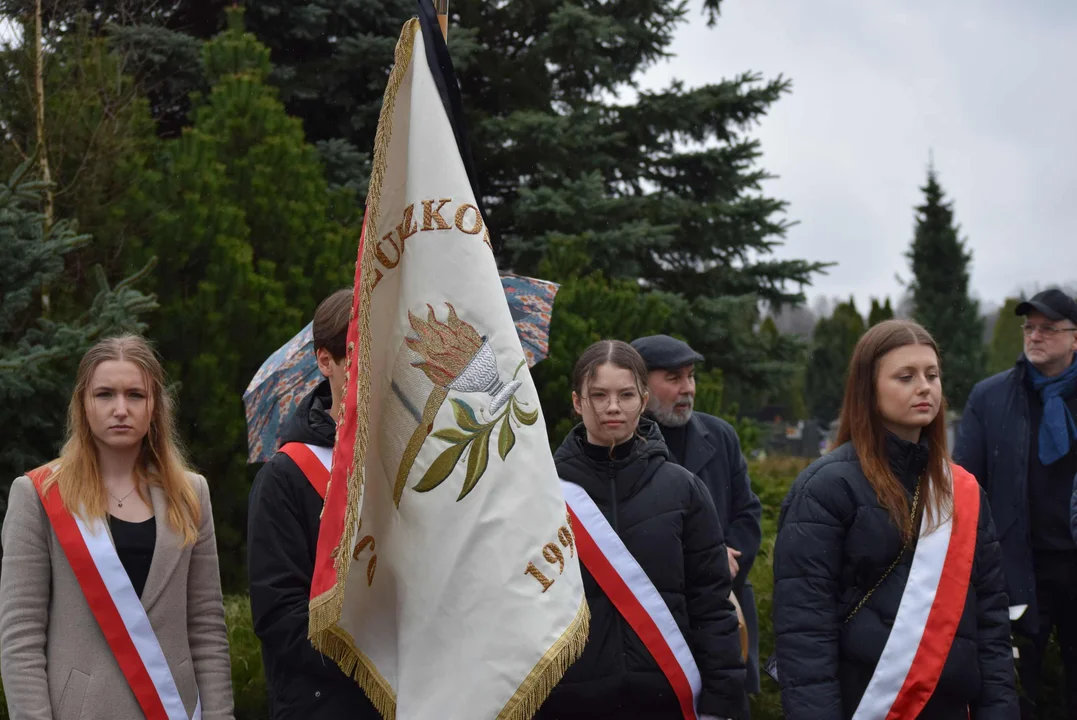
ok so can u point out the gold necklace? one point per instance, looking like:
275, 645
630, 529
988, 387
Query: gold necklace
119, 501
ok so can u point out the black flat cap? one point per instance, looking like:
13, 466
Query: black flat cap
661, 352
1052, 304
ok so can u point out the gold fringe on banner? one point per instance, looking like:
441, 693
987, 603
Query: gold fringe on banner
326, 609
542, 679
339, 647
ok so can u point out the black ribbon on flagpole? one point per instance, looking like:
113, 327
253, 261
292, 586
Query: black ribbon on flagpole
437, 56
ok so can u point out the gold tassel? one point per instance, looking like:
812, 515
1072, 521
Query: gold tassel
540, 682
359, 667
325, 610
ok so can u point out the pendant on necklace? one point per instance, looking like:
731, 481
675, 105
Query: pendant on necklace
120, 503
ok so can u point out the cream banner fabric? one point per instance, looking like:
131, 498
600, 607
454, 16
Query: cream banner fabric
457, 589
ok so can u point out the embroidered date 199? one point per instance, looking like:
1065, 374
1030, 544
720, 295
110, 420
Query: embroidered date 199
553, 554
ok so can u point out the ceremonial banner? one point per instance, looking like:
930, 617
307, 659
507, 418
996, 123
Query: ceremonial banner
447, 580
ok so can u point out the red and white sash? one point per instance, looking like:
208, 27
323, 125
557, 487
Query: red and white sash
634, 595
314, 461
929, 612
116, 606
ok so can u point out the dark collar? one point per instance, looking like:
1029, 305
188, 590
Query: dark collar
908, 460
699, 446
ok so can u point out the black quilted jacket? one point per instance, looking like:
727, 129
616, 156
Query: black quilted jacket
834, 543
665, 517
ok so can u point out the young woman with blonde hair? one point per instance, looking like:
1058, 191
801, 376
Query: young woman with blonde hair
110, 595
888, 588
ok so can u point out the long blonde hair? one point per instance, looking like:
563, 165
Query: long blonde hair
160, 462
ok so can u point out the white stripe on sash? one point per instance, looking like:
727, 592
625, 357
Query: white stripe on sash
913, 611
324, 454
135, 620
613, 548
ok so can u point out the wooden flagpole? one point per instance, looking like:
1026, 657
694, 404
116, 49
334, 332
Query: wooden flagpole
442, 7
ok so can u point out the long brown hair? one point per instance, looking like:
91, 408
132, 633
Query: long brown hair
609, 352
862, 424
160, 462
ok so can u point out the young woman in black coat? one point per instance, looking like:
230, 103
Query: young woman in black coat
668, 523
847, 535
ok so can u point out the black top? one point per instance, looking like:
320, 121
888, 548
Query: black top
835, 543
1049, 487
134, 544
605, 453
677, 441
665, 517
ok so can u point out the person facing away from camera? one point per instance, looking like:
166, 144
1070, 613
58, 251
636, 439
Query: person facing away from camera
655, 532
110, 594
889, 598
284, 515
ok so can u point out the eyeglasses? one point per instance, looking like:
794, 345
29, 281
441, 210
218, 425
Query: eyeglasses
1048, 331
629, 401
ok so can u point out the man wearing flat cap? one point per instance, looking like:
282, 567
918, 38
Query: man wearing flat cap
1018, 436
709, 447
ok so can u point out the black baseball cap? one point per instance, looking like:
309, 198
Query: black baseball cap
1052, 304
662, 352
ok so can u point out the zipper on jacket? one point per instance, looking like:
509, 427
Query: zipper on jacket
612, 474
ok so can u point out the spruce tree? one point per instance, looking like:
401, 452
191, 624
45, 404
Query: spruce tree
940, 292
880, 312
38, 356
97, 129
664, 191
1007, 341
833, 343
250, 239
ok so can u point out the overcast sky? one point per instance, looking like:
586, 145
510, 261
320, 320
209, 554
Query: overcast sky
990, 86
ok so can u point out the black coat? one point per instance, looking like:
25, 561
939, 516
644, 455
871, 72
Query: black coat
993, 443
713, 454
282, 540
835, 541
666, 519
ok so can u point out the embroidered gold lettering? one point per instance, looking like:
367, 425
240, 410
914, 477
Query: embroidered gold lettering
370, 567
432, 217
566, 538
553, 555
407, 228
384, 259
362, 545
537, 574
461, 213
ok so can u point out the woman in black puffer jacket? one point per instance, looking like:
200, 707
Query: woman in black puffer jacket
667, 521
847, 533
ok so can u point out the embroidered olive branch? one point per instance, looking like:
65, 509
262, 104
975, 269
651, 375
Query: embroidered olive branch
473, 436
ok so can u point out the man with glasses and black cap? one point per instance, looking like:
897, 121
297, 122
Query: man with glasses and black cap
708, 447
1018, 436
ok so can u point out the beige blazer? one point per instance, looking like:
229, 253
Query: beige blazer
54, 659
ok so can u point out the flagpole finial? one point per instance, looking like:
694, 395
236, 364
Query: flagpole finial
442, 7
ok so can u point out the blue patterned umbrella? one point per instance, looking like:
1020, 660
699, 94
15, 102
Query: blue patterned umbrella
290, 373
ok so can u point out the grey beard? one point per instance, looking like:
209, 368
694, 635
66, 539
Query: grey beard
671, 418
